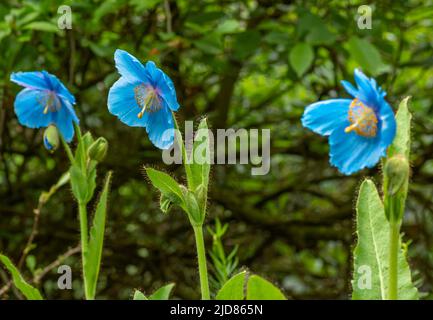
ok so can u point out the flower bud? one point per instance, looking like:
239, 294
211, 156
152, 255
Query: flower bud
165, 203
397, 172
51, 138
98, 149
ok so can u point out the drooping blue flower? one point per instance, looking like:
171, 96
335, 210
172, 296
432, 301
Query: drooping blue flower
359, 129
44, 101
144, 96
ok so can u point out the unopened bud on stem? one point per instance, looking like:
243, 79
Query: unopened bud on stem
98, 149
51, 138
397, 171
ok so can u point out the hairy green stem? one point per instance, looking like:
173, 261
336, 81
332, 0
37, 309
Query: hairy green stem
202, 267
394, 245
82, 210
67, 149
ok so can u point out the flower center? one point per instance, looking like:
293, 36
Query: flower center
147, 99
50, 102
363, 119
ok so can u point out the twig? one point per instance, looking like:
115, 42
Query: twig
38, 277
168, 16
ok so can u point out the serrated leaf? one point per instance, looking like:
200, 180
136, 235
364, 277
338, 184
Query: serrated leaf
371, 253
301, 57
162, 293
166, 185
27, 290
401, 143
261, 289
233, 289
92, 261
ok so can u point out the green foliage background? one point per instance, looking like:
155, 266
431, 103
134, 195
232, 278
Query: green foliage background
244, 64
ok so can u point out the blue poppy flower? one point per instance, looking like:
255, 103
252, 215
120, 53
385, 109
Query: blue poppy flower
144, 96
359, 129
44, 101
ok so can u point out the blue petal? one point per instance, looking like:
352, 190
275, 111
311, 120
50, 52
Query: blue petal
160, 128
324, 117
130, 67
164, 84
58, 87
67, 104
122, 103
30, 111
388, 125
32, 80
350, 152
367, 89
64, 123
350, 89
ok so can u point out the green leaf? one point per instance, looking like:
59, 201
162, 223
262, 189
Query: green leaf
92, 261
166, 185
210, 44
317, 32
261, 289
401, 143
162, 293
229, 26
78, 183
320, 36
87, 140
366, 54
371, 253
301, 57
233, 289
201, 156
139, 295
42, 26
91, 180
257, 288
246, 43
192, 207
27, 290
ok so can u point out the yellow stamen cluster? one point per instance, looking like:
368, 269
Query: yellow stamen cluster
363, 119
147, 99
50, 102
